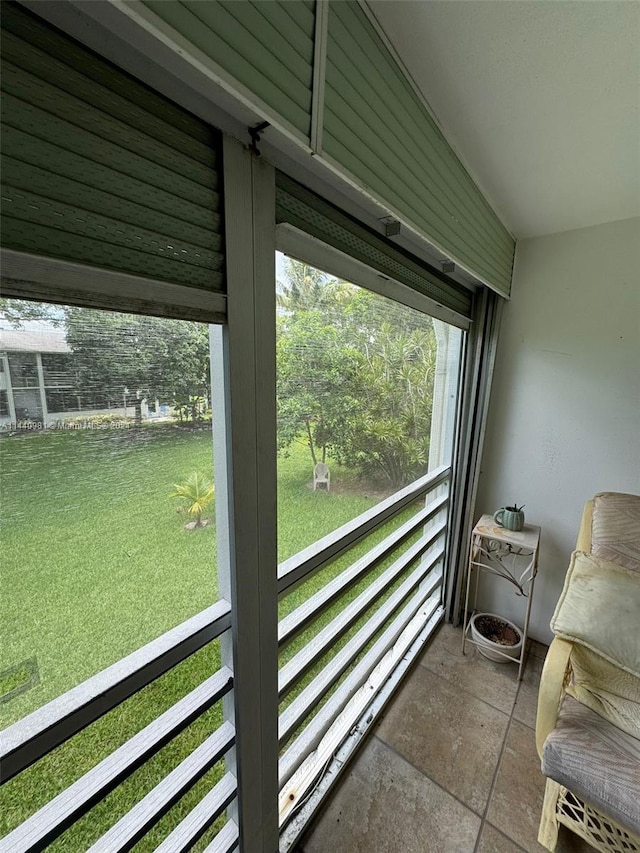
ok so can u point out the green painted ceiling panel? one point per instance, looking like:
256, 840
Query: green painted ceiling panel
48, 41
90, 175
377, 128
399, 184
117, 211
398, 97
33, 151
396, 94
27, 236
267, 47
355, 109
346, 148
302, 12
34, 101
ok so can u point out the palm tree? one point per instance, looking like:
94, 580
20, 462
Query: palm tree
306, 288
197, 493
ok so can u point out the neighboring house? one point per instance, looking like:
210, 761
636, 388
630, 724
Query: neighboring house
38, 383
36, 377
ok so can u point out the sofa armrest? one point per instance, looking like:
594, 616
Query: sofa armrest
554, 678
584, 535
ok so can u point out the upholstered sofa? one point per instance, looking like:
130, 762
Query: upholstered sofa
588, 723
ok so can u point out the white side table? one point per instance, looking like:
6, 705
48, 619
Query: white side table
509, 555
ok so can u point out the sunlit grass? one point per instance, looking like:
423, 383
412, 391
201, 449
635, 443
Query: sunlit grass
95, 559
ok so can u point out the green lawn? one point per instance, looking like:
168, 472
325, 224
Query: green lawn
96, 562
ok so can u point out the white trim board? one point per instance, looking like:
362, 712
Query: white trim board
33, 277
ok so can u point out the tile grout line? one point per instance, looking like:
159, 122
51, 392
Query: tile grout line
483, 819
374, 735
426, 775
464, 689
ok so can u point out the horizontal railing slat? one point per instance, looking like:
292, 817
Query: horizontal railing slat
29, 739
58, 814
305, 701
196, 823
145, 814
299, 618
312, 734
294, 570
226, 840
303, 660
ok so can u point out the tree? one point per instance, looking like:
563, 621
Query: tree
355, 377
305, 288
19, 311
127, 357
188, 371
315, 376
390, 436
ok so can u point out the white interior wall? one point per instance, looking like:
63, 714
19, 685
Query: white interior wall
564, 416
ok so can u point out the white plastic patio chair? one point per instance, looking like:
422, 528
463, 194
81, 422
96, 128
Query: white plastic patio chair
321, 476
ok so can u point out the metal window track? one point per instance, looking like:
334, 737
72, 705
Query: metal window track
346, 707
313, 732
354, 739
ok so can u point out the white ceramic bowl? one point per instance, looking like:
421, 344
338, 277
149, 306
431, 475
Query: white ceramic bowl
495, 651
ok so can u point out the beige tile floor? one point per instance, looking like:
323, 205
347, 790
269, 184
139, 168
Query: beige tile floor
450, 768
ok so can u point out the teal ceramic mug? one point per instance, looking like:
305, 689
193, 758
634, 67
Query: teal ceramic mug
509, 517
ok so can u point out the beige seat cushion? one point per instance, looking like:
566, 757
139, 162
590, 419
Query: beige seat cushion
596, 761
599, 608
615, 529
607, 689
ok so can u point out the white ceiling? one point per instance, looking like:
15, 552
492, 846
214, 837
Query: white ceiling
540, 98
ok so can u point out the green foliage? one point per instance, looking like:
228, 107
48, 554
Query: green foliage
307, 289
187, 371
196, 494
126, 358
315, 375
108, 419
19, 311
355, 376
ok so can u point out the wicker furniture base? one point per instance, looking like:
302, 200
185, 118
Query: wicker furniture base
561, 806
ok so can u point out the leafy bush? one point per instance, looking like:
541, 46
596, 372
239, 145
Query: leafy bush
98, 420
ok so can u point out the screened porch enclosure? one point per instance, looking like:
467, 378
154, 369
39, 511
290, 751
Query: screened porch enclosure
355, 606
196, 674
